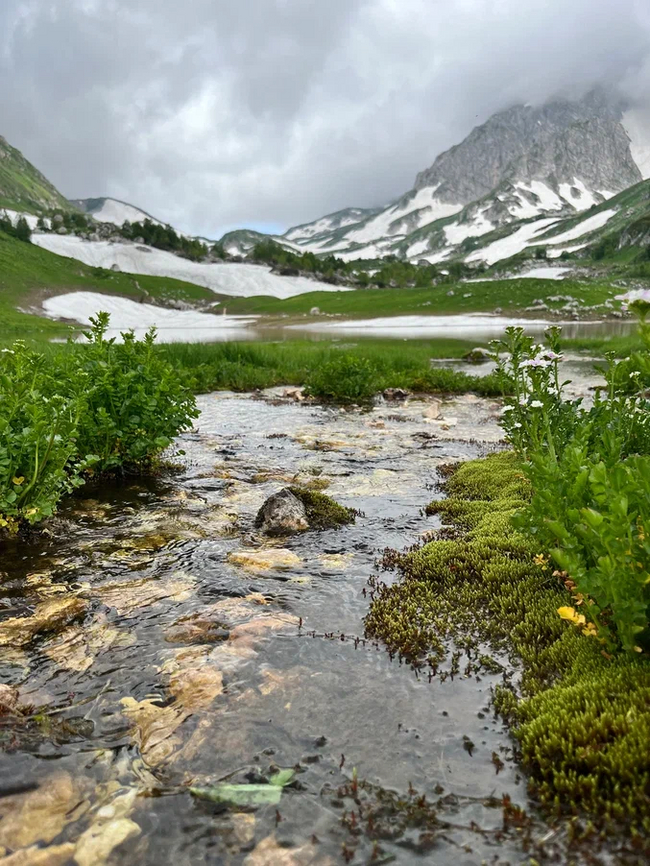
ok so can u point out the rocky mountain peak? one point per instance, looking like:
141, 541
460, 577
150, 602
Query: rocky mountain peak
555, 143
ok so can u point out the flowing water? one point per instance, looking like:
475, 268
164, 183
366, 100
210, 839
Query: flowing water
159, 642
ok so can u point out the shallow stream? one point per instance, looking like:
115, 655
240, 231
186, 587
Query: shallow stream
166, 644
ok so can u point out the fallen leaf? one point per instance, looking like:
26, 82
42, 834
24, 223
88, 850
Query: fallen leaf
241, 795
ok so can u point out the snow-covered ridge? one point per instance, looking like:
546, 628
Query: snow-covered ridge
238, 280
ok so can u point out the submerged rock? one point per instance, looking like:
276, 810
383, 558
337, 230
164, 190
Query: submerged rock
478, 355
50, 616
282, 514
8, 699
265, 559
396, 394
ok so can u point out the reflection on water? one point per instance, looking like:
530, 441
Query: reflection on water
472, 327
169, 645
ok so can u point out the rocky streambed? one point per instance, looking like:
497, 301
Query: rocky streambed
164, 662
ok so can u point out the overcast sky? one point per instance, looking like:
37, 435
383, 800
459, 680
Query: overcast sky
214, 114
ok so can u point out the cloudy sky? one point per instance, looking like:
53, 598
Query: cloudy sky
214, 114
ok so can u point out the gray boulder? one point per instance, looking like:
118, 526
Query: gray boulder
282, 514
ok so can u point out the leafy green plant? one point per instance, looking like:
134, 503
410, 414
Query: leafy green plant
39, 461
133, 403
589, 469
346, 379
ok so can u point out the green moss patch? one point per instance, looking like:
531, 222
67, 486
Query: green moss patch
582, 718
322, 511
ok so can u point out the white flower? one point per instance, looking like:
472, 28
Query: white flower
635, 374
535, 362
537, 404
516, 424
507, 409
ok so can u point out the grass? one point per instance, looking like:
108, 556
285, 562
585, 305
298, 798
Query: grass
511, 296
393, 364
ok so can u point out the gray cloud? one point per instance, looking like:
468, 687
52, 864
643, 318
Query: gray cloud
213, 114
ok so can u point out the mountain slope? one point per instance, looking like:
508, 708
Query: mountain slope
556, 160
112, 210
23, 187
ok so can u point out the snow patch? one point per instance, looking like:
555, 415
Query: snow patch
15, 215
173, 326
636, 123
547, 200
416, 249
456, 233
541, 274
118, 212
556, 253
580, 200
512, 244
239, 280
597, 221
423, 200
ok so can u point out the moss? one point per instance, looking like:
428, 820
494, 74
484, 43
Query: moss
582, 719
322, 511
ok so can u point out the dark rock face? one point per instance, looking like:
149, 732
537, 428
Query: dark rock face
554, 142
282, 514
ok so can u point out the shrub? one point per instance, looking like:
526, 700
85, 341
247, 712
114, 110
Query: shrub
105, 405
133, 402
346, 379
590, 474
38, 452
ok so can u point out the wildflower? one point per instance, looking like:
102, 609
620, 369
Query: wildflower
537, 404
535, 362
18, 481
507, 409
590, 630
550, 355
540, 559
517, 425
635, 374
572, 615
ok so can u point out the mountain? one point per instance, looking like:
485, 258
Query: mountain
112, 210
22, 187
555, 160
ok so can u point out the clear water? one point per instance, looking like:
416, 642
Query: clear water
196, 661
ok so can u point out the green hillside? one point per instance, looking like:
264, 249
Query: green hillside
23, 187
28, 274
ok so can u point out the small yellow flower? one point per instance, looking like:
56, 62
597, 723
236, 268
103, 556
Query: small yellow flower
571, 614
590, 630
540, 560
18, 480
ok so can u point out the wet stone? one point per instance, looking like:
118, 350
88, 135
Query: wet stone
282, 514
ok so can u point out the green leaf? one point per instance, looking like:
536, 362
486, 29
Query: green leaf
240, 795
282, 778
